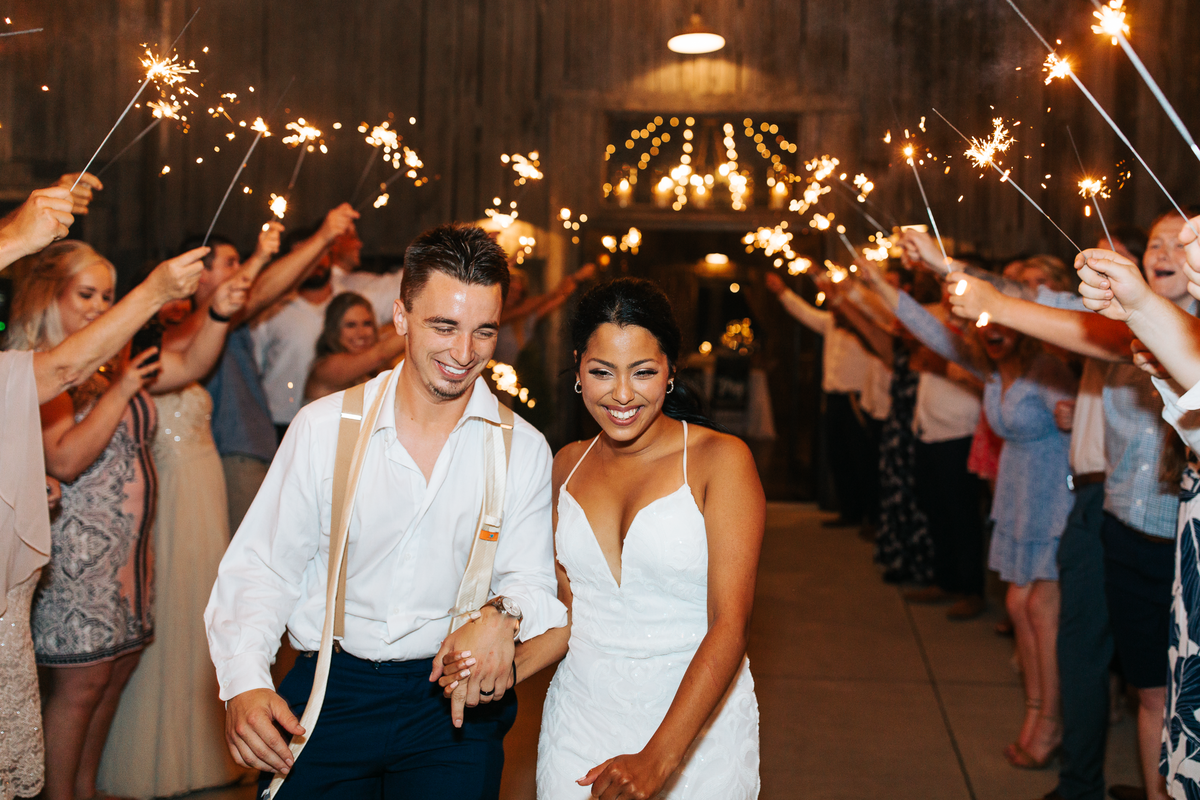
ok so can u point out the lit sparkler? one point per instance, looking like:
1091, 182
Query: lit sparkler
909, 150
983, 157
166, 70
526, 167
303, 134
278, 205
1096, 104
1056, 67
260, 126
1091, 188
1112, 23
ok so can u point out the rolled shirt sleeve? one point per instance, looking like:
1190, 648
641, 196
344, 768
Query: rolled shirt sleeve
524, 567
1181, 410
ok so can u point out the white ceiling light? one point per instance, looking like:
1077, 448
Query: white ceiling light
695, 39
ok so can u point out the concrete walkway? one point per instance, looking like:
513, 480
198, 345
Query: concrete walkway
861, 695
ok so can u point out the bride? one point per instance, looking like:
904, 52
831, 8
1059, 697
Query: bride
658, 528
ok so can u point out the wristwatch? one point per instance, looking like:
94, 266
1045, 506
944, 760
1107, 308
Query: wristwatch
509, 607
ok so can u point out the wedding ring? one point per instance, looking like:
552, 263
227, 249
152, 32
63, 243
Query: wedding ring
487, 694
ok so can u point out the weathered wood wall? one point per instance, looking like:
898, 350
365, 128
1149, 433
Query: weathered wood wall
484, 77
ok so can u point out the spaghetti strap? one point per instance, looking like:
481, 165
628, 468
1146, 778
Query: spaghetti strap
685, 438
571, 474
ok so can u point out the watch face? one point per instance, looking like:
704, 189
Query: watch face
511, 608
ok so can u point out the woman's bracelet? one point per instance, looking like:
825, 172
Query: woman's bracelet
215, 317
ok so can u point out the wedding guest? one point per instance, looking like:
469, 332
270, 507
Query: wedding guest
1023, 387
350, 348
26, 380
93, 611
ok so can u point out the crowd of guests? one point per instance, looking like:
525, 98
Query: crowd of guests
969, 408
958, 395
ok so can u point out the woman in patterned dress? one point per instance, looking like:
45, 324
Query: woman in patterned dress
93, 612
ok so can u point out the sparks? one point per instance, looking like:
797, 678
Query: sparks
1112, 20
1093, 187
1056, 67
983, 153
381, 136
381, 201
260, 126
303, 133
168, 71
278, 205
164, 109
526, 167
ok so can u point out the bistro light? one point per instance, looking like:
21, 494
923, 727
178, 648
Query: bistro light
695, 39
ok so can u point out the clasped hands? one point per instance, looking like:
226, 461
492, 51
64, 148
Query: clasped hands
475, 663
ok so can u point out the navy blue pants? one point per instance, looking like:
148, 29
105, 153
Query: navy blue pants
949, 496
385, 732
1085, 648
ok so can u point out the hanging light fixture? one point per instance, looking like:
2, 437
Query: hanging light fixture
696, 38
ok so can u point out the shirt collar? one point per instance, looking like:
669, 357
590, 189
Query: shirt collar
482, 404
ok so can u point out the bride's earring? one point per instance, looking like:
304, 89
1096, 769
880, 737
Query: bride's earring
670, 385
578, 387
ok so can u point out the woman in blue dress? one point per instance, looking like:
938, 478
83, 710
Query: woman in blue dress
1023, 383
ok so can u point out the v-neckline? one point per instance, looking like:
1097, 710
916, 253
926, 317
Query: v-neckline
628, 531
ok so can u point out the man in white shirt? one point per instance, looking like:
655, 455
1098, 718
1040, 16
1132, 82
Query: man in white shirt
386, 730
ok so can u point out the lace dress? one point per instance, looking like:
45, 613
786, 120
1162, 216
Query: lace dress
22, 749
630, 646
168, 735
95, 601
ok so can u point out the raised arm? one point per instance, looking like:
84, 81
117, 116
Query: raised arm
78, 356
332, 372
286, 272
1078, 331
1114, 286
734, 516
801, 310
193, 362
544, 304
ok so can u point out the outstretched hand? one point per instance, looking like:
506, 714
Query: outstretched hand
921, 248
232, 294
976, 297
178, 277
41, 220
338, 221
1146, 361
81, 196
269, 239
1111, 284
1191, 248
636, 776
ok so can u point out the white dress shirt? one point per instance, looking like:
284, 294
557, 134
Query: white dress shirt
1087, 428
1181, 410
285, 346
946, 409
844, 359
408, 547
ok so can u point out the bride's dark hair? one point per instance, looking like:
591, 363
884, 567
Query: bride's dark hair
633, 301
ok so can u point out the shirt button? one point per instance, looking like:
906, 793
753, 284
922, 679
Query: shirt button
1149, 430
1137, 502
1145, 467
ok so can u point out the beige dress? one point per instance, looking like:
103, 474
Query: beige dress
168, 736
24, 548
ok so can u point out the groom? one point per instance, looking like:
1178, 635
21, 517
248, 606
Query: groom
385, 729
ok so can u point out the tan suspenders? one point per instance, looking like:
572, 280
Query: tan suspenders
354, 433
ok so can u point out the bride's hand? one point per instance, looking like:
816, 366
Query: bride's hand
455, 667
629, 777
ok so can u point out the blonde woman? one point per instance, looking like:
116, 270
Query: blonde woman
92, 614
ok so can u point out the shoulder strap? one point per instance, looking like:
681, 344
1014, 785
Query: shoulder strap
477, 578
351, 422
351, 450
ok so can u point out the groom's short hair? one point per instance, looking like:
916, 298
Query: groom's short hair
463, 252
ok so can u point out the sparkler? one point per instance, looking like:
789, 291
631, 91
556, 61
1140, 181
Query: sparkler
304, 133
18, 33
1112, 23
261, 127
984, 153
1089, 188
908, 155
166, 70
163, 109
1096, 104
841, 232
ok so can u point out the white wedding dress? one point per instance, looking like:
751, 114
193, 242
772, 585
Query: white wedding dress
630, 646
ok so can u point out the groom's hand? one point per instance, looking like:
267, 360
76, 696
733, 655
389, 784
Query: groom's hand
251, 731
490, 641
